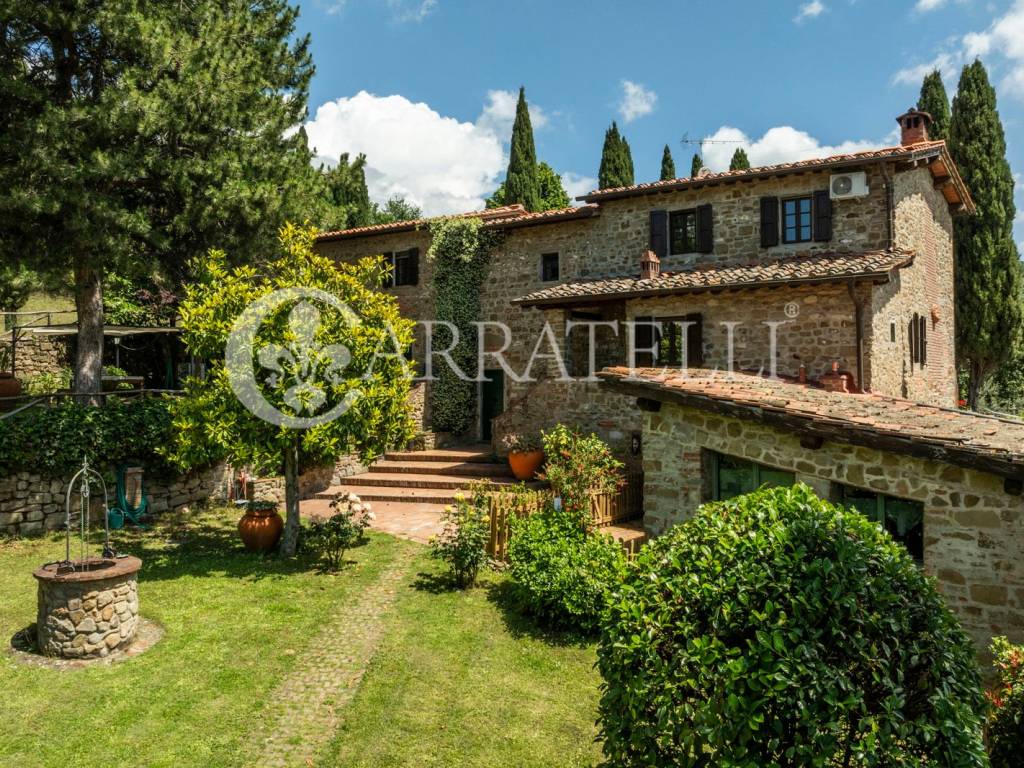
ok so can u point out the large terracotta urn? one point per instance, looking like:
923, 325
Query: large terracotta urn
260, 526
525, 464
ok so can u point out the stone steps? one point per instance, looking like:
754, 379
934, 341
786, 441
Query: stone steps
477, 469
477, 455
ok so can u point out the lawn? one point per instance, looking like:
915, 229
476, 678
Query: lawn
457, 679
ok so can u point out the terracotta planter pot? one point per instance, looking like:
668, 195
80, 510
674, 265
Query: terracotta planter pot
9, 386
525, 465
260, 529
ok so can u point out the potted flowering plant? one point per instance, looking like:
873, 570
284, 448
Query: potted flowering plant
9, 386
524, 454
260, 526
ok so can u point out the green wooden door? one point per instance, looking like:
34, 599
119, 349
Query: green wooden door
492, 400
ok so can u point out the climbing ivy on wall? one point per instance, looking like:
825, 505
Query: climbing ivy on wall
460, 250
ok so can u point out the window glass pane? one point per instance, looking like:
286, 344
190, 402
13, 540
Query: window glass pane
776, 478
735, 477
865, 502
682, 231
805, 205
549, 266
905, 522
805, 232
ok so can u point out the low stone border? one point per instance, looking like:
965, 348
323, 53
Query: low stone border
23, 648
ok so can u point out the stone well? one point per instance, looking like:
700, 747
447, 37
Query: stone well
89, 608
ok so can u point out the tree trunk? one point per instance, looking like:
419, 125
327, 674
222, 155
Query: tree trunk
89, 355
290, 539
975, 378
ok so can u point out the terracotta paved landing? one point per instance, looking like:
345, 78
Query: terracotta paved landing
416, 521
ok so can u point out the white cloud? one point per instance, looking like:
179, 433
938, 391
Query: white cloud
437, 162
576, 185
411, 10
928, 5
810, 10
781, 144
1002, 42
637, 101
500, 112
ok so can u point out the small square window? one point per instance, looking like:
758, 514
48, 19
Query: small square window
549, 267
796, 220
682, 231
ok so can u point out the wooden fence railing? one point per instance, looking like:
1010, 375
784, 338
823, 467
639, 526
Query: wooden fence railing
627, 503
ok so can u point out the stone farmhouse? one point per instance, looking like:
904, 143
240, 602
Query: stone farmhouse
782, 323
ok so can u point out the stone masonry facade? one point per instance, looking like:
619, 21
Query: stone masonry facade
974, 530
822, 332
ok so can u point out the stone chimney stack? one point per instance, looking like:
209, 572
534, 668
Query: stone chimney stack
914, 126
650, 265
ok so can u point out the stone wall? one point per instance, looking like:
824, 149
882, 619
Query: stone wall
611, 243
38, 353
31, 503
973, 532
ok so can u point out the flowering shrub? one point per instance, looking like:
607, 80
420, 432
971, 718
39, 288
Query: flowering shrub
329, 539
462, 543
578, 465
776, 629
1006, 715
514, 442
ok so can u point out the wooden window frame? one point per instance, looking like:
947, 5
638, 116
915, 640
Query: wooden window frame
880, 513
797, 199
544, 257
688, 212
393, 258
713, 459
674, 330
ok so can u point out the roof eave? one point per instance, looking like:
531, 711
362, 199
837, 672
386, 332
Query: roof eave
763, 172
880, 276
848, 432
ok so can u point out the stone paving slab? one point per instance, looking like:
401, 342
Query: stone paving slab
302, 714
415, 521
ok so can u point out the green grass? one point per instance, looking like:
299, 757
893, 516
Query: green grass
457, 680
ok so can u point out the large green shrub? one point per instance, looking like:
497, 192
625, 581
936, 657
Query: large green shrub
54, 440
1006, 716
563, 574
776, 629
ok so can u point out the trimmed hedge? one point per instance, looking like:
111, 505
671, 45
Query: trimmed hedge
53, 440
777, 629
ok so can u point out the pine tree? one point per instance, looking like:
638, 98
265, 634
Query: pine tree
740, 161
521, 184
616, 160
695, 165
147, 134
934, 101
668, 165
988, 276
347, 197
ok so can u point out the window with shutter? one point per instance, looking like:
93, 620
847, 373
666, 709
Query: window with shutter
822, 216
406, 267
682, 231
705, 229
769, 222
659, 233
548, 267
797, 219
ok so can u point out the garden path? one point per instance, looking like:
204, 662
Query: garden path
303, 712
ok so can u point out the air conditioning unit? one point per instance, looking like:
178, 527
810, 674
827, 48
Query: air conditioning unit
846, 185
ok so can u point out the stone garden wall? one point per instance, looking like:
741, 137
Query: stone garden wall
973, 529
35, 353
31, 504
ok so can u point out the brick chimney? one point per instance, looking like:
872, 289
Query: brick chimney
650, 265
914, 126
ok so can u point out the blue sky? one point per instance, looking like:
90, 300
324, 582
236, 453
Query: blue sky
426, 87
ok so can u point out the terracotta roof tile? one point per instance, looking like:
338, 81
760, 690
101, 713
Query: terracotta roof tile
960, 437
922, 149
493, 218
819, 267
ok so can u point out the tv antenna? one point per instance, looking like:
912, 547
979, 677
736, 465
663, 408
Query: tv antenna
701, 142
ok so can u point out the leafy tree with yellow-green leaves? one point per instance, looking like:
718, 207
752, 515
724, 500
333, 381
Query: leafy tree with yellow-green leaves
307, 357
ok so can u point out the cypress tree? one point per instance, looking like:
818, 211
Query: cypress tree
521, 184
616, 160
934, 101
740, 161
695, 165
987, 264
668, 165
